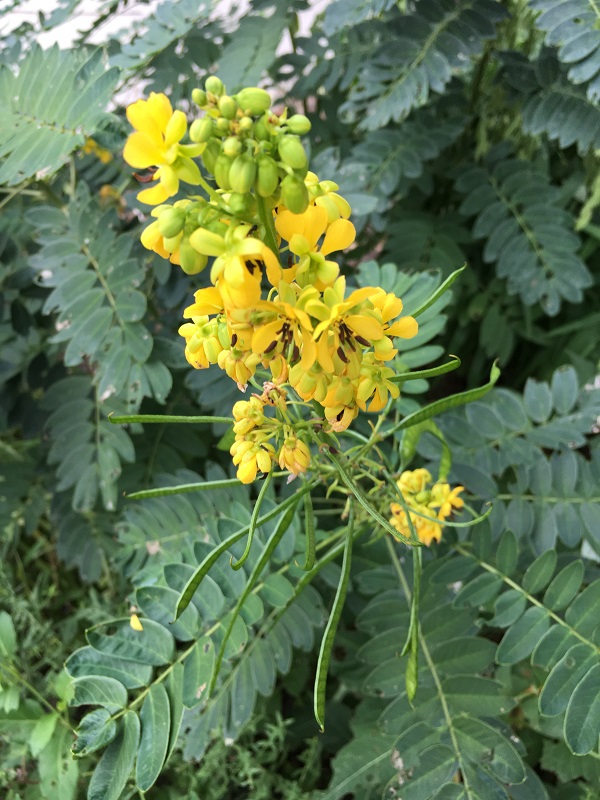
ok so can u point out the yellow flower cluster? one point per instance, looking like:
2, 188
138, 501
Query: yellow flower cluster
426, 500
294, 320
329, 347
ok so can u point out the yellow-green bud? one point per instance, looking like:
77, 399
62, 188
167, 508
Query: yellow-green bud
209, 155
267, 176
199, 97
214, 85
192, 262
171, 222
221, 172
171, 243
245, 123
299, 124
232, 146
263, 130
242, 173
253, 100
294, 194
227, 106
291, 152
222, 125
202, 129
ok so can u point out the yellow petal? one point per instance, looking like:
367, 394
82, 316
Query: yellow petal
141, 118
339, 236
315, 222
176, 128
265, 335
207, 243
141, 151
135, 623
160, 108
367, 327
309, 352
323, 354
406, 328
287, 224
155, 194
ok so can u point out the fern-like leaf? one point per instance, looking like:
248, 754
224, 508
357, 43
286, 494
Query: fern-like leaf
56, 99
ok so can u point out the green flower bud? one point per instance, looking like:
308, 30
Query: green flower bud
192, 262
221, 172
299, 124
240, 203
245, 123
232, 146
171, 243
202, 129
242, 173
227, 106
199, 97
291, 152
253, 101
214, 85
210, 154
301, 173
294, 194
267, 177
171, 222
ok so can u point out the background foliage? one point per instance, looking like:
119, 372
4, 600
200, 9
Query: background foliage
460, 132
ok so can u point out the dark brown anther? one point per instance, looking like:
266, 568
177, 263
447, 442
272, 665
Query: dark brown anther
234, 339
290, 261
342, 355
296, 353
362, 341
271, 347
145, 178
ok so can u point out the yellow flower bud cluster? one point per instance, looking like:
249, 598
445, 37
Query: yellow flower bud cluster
252, 450
425, 499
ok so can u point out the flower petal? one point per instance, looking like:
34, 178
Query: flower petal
141, 151
405, 328
155, 194
339, 236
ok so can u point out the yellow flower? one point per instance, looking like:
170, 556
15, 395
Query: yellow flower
374, 383
414, 481
302, 232
239, 365
236, 265
310, 383
427, 531
294, 454
446, 499
251, 455
280, 326
248, 414
323, 194
156, 143
341, 416
346, 326
389, 307
91, 146
205, 339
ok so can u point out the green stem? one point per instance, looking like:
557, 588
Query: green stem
266, 219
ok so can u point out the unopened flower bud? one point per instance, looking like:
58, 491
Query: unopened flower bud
210, 155
245, 123
227, 106
214, 85
171, 222
242, 173
253, 100
267, 177
291, 152
294, 194
202, 129
199, 97
232, 146
221, 171
222, 125
192, 262
299, 124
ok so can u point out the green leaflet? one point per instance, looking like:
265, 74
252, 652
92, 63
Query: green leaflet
331, 628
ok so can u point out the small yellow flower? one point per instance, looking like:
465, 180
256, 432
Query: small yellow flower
205, 339
414, 481
91, 146
239, 365
323, 194
438, 501
427, 531
156, 143
374, 384
248, 414
251, 455
294, 454
446, 499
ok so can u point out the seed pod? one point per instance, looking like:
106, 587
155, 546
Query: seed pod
210, 154
227, 106
202, 129
294, 194
171, 222
192, 262
254, 101
291, 152
199, 97
222, 167
267, 176
214, 85
299, 124
232, 146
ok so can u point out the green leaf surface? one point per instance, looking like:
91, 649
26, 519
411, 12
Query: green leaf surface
112, 771
538, 574
95, 731
522, 636
97, 690
58, 771
564, 586
565, 677
155, 718
153, 645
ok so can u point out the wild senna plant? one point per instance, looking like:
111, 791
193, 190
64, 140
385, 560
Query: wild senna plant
278, 316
